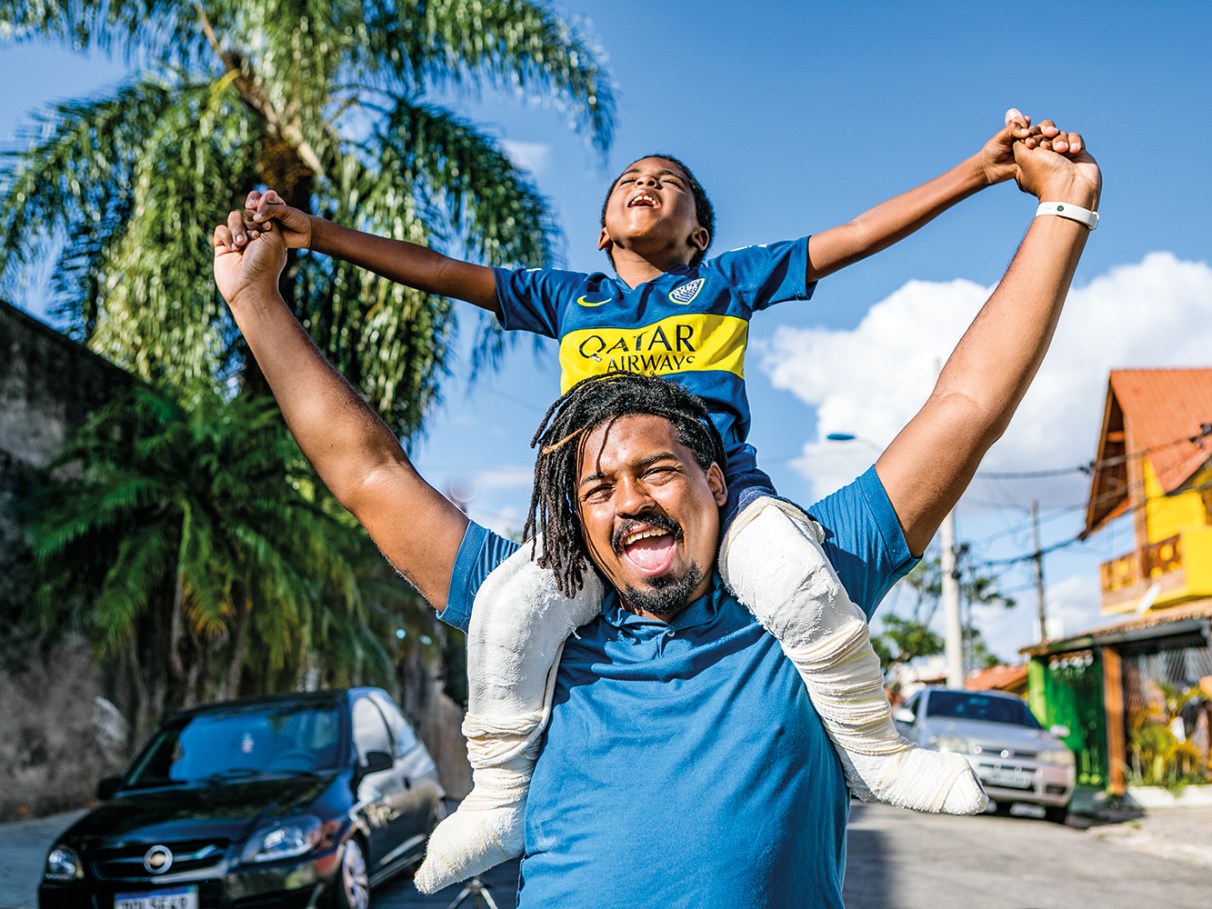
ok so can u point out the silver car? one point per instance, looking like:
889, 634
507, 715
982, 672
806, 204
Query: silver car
1016, 760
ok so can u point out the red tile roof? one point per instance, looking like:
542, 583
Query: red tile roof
999, 678
1163, 410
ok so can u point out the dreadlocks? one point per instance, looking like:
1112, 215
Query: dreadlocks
588, 405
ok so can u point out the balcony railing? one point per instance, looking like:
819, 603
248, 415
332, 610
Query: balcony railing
1180, 568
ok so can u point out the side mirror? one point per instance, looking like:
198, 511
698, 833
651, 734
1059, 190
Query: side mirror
376, 762
1061, 732
108, 788
903, 715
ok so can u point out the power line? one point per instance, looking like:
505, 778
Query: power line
1081, 536
1088, 468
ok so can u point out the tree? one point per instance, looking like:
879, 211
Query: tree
904, 638
193, 549
331, 104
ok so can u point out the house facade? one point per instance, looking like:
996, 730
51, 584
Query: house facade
1136, 694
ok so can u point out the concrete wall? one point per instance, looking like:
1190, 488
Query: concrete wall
52, 750
48, 386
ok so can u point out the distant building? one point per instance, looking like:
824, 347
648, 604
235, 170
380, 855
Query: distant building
1135, 694
1155, 464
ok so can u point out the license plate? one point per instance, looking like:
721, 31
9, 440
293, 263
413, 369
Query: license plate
177, 898
1009, 777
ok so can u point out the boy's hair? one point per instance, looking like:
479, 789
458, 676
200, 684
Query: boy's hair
589, 404
703, 209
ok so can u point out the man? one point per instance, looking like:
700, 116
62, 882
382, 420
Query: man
673, 772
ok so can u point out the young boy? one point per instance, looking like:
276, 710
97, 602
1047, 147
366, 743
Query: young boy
671, 313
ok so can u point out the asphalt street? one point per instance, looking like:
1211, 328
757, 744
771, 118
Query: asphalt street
895, 860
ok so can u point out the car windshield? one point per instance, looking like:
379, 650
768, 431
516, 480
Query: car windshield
967, 706
237, 743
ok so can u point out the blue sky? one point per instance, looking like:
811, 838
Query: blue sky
796, 117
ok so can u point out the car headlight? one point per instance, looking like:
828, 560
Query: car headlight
951, 743
63, 864
283, 840
1062, 756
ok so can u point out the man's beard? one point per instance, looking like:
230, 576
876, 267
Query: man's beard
664, 597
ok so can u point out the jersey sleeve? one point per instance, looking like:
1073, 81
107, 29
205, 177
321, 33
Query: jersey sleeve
864, 540
531, 299
480, 552
763, 275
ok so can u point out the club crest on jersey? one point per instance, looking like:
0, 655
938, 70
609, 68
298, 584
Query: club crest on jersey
686, 292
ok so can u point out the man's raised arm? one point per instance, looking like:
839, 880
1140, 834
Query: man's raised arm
355, 453
933, 459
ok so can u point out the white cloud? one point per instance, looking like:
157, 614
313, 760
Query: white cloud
871, 380
531, 156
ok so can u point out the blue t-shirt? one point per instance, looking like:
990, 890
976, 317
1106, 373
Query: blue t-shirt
690, 324
684, 764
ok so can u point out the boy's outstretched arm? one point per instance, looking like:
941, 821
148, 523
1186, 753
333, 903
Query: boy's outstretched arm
895, 219
397, 260
354, 452
933, 459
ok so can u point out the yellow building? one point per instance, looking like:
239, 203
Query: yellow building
1155, 464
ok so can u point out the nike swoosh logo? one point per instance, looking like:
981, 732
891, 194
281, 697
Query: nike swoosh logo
581, 301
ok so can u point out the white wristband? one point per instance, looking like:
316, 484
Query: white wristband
1070, 211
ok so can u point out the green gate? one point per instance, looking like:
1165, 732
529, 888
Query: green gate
1067, 690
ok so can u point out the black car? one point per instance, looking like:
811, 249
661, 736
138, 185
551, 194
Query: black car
296, 800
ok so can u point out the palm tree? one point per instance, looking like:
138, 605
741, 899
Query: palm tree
201, 558
331, 103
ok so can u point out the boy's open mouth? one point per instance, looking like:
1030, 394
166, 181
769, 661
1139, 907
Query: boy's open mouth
643, 199
649, 547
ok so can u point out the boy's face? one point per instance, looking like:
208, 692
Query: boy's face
651, 211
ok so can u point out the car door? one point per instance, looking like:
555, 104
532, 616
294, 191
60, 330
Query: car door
419, 774
381, 794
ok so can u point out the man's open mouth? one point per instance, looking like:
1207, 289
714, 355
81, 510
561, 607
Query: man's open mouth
649, 547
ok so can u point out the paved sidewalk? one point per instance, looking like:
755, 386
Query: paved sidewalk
1181, 834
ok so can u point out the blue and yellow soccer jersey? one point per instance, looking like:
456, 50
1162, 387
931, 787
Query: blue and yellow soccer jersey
690, 324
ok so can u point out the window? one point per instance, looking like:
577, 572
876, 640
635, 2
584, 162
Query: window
401, 732
370, 732
980, 707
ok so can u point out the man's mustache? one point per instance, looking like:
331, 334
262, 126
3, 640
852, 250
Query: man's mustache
664, 522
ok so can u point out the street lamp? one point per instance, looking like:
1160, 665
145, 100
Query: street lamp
851, 437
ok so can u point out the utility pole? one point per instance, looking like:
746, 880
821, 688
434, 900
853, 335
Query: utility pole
1038, 557
953, 639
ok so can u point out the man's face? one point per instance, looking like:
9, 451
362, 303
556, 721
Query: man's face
649, 513
651, 210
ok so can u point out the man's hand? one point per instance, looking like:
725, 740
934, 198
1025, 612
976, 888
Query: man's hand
251, 267
263, 209
1065, 174
997, 156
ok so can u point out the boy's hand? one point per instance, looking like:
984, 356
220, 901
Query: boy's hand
260, 209
997, 156
1066, 174
248, 268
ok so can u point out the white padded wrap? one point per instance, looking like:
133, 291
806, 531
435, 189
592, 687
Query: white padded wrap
772, 560
519, 623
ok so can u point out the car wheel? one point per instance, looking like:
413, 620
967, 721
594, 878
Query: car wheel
353, 878
1056, 814
1002, 809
